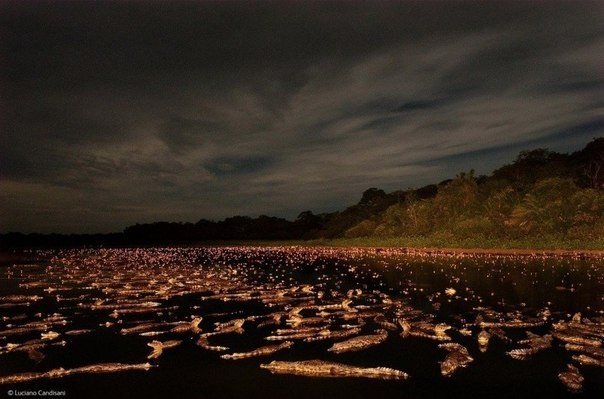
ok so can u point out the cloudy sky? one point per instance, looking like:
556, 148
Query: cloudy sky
116, 113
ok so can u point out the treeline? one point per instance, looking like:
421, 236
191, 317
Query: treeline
541, 195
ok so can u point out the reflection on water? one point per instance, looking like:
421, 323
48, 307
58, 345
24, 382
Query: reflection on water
273, 322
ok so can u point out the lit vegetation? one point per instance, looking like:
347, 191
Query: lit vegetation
543, 200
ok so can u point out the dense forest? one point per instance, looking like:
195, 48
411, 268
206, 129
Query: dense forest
542, 195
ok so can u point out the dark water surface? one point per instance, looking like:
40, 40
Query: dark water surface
80, 288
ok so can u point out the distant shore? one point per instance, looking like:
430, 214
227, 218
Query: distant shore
340, 243
428, 245
595, 253
494, 247
411, 246
498, 251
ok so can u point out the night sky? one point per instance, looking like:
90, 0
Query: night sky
116, 113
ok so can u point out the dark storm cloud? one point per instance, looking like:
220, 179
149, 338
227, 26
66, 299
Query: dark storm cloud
115, 113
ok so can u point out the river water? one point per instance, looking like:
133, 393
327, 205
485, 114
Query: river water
91, 298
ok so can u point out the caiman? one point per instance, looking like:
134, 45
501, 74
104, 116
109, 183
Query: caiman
572, 378
457, 357
159, 346
61, 372
262, 351
359, 343
320, 368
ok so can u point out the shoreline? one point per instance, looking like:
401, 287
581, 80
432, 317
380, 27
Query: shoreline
499, 251
26, 255
589, 253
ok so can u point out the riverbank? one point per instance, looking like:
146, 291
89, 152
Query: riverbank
412, 245
427, 246
479, 244
486, 251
